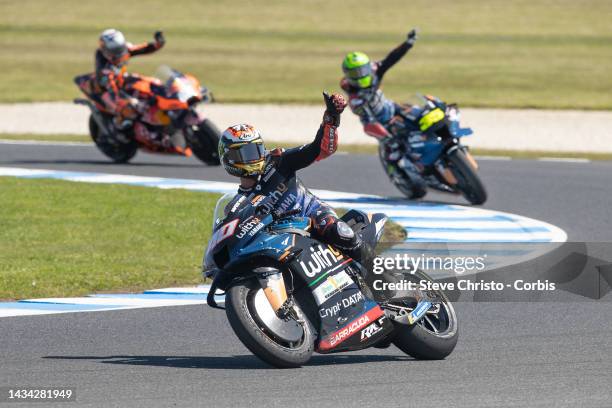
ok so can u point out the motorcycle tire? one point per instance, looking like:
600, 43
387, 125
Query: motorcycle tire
252, 332
433, 338
408, 186
205, 143
117, 152
468, 181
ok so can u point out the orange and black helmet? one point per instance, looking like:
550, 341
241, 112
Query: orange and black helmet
242, 151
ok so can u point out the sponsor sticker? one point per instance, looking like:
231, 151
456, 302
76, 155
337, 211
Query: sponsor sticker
353, 327
320, 259
419, 311
331, 286
251, 225
372, 329
335, 308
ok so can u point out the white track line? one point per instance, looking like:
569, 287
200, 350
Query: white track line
498, 158
423, 222
43, 143
564, 159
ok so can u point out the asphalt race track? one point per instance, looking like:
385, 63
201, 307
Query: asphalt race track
509, 354
573, 196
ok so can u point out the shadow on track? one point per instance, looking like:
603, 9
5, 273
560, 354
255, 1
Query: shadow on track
227, 363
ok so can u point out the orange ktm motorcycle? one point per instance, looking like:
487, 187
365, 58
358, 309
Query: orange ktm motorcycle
165, 119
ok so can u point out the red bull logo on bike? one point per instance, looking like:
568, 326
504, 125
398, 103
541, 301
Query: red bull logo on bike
338, 337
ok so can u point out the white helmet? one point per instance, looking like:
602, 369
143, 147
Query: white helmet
113, 45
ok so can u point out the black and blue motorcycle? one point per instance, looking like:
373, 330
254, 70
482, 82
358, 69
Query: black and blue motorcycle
429, 134
288, 295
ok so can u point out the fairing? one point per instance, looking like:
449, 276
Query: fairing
318, 275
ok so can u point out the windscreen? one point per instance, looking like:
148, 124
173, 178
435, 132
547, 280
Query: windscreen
219, 213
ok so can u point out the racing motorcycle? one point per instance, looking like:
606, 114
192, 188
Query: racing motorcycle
166, 119
288, 295
430, 135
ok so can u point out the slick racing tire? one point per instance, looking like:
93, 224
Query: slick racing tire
118, 152
204, 143
410, 187
468, 181
435, 336
254, 332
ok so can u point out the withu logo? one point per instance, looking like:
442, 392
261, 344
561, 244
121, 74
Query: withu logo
320, 259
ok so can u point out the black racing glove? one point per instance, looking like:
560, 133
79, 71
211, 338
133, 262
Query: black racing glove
412, 36
334, 104
160, 40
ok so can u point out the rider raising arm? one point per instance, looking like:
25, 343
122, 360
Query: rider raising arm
273, 174
111, 57
362, 79
324, 144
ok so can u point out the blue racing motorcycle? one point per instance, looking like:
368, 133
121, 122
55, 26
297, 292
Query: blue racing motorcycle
429, 137
288, 295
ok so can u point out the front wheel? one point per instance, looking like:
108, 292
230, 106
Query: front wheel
204, 142
433, 337
468, 181
280, 343
116, 150
412, 186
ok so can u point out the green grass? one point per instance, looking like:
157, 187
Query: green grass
46, 138
60, 238
354, 148
520, 53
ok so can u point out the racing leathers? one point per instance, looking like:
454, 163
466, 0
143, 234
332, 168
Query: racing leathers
110, 76
279, 189
376, 111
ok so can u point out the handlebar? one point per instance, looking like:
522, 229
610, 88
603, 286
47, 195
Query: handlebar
276, 215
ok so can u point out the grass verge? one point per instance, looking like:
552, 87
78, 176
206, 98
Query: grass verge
494, 53
60, 238
355, 148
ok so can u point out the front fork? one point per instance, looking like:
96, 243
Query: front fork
446, 173
273, 285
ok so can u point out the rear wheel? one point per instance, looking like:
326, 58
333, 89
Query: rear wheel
116, 150
204, 142
433, 337
411, 187
468, 181
280, 343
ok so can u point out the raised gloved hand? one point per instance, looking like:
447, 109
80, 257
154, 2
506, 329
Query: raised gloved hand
160, 40
335, 105
412, 36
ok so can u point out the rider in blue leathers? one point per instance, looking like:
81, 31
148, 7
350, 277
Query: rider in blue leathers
272, 175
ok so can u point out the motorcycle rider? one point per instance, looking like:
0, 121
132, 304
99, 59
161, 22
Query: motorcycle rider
111, 58
361, 81
272, 174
